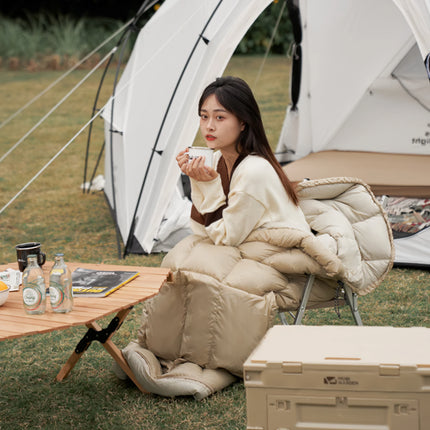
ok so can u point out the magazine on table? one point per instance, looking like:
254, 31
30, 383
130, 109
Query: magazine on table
99, 283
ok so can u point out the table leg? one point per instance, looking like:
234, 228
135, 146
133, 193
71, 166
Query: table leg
113, 350
95, 332
70, 364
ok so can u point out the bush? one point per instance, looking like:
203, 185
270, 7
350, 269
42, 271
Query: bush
19, 40
52, 41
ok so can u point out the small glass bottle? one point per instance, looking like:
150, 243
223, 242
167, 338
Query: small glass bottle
34, 290
60, 286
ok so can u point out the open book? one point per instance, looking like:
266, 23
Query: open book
99, 283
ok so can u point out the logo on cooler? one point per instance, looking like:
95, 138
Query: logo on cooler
339, 380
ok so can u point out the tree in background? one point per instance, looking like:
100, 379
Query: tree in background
258, 37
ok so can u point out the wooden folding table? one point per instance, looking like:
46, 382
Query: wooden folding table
14, 322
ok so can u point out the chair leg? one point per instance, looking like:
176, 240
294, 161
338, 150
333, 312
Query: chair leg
298, 316
349, 295
351, 299
304, 301
283, 318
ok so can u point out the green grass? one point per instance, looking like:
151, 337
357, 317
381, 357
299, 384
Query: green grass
54, 211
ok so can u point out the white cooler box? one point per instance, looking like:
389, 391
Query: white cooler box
339, 378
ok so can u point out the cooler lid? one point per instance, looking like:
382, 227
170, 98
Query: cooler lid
346, 345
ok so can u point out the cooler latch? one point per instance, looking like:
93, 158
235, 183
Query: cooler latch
291, 367
389, 370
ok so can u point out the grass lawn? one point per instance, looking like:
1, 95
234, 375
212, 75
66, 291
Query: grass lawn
54, 211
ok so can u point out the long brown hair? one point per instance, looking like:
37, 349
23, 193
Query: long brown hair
235, 95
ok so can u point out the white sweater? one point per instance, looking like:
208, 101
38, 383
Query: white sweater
257, 199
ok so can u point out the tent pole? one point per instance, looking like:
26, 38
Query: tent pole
111, 131
91, 125
296, 72
427, 64
126, 35
97, 165
154, 148
130, 24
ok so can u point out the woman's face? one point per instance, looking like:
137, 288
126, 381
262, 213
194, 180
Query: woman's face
219, 127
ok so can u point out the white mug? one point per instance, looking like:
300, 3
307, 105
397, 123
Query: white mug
201, 151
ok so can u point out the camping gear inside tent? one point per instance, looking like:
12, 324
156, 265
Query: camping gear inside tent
153, 114
410, 221
361, 101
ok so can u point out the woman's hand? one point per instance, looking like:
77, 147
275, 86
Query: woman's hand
195, 168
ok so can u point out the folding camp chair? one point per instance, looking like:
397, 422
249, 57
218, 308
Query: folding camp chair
344, 296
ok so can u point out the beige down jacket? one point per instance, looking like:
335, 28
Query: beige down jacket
223, 299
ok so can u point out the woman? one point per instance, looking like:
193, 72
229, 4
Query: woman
224, 296
248, 190
250, 251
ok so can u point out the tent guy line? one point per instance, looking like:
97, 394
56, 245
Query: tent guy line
269, 45
55, 156
96, 115
58, 104
63, 76
47, 164
62, 149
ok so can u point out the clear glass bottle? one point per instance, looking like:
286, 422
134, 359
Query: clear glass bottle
60, 286
34, 290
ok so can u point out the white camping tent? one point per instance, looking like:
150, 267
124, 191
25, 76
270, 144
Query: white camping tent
363, 83
186, 44
361, 100
183, 47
